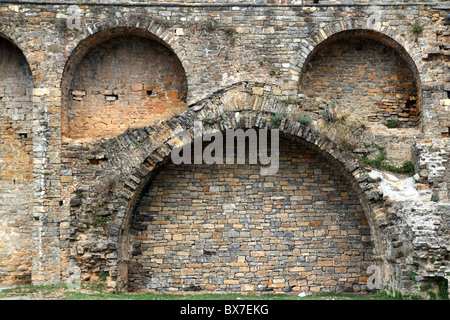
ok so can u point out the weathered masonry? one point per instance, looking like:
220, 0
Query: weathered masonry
93, 97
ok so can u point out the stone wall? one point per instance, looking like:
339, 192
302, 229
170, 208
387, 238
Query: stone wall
124, 83
226, 228
242, 63
16, 162
364, 78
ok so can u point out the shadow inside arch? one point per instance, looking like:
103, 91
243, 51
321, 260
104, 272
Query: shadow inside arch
370, 35
365, 72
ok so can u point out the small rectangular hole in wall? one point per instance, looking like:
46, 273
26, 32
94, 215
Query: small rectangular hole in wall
448, 94
94, 161
60, 202
149, 92
111, 97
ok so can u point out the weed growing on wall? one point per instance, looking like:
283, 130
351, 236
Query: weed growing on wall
379, 163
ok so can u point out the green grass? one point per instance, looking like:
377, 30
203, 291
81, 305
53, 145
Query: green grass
379, 163
276, 119
417, 28
43, 290
305, 120
227, 296
435, 197
98, 292
219, 296
405, 167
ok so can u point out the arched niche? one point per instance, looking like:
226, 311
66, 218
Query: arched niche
120, 79
367, 75
16, 165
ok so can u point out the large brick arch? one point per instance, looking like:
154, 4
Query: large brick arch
371, 29
106, 31
229, 228
144, 151
16, 164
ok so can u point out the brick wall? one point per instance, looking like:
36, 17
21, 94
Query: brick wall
218, 46
125, 82
226, 228
16, 199
365, 78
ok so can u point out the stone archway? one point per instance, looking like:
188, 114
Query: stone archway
144, 151
387, 35
119, 79
228, 228
16, 165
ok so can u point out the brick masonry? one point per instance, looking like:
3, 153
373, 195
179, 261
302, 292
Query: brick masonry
240, 60
226, 228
